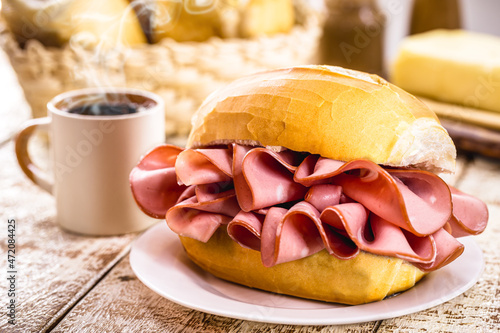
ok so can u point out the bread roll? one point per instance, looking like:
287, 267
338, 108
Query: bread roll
337, 113
90, 22
453, 66
366, 278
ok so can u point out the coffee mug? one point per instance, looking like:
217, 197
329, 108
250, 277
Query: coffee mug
97, 135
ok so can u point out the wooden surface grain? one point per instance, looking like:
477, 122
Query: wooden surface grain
72, 283
55, 268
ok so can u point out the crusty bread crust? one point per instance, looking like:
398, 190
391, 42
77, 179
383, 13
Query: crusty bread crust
337, 113
366, 278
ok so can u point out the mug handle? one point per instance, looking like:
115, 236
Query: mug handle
23, 158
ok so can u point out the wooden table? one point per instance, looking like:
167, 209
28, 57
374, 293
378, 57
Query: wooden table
71, 283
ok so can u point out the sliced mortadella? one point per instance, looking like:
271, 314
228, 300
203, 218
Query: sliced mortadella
263, 178
188, 193
271, 227
210, 192
245, 229
414, 200
204, 166
427, 200
242, 191
342, 207
299, 233
315, 170
154, 182
447, 250
375, 235
470, 215
199, 220
324, 195
288, 237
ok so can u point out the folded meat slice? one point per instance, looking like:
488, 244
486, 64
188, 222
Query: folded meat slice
414, 200
297, 233
323, 196
204, 166
199, 219
373, 234
426, 200
288, 236
154, 181
264, 178
344, 230
447, 250
246, 228
470, 215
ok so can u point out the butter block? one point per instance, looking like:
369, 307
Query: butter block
453, 66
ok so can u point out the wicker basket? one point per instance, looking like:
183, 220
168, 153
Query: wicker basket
182, 73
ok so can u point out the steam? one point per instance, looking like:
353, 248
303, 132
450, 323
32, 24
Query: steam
103, 63
197, 7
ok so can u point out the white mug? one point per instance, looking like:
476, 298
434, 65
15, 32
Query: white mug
92, 156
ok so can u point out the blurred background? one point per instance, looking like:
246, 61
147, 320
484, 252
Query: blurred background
185, 49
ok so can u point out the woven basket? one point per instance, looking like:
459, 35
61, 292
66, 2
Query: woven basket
183, 74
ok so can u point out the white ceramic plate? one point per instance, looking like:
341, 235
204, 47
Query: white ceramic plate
159, 261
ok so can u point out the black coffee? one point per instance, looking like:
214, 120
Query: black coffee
105, 109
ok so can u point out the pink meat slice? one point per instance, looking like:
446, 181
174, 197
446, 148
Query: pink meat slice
154, 181
199, 219
263, 178
470, 215
422, 205
246, 229
288, 235
323, 196
447, 250
204, 166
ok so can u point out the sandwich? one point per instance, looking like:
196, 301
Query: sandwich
315, 181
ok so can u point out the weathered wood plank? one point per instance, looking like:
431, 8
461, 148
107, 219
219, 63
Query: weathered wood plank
121, 303
54, 268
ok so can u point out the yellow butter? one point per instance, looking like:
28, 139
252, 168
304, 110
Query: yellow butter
453, 66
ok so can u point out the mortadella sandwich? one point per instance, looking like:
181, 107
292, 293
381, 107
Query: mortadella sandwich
315, 181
